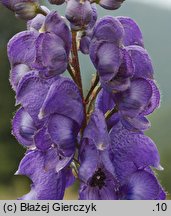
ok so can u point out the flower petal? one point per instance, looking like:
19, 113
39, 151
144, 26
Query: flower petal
89, 161
104, 101
63, 162
88, 193
141, 186
57, 24
16, 73
154, 101
143, 67
128, 146
40, 168
110, 4
109, 60
63, 132
138, 123
36, 23
21, 48
31, 93
42, 139
96, 131
108, 29
78, 13
23, 128
132, 32
134, 100
51, 58
63, 98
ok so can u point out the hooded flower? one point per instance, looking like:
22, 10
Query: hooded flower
47, 125
96, 171
40, 167
46, 51
41, 119
133, 105
79, 13
116, 164
116, 50
84, 36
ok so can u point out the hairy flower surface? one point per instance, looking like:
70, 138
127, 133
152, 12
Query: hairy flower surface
98, 138
115, 164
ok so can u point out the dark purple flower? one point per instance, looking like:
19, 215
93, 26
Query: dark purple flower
132, 105
110, 154
96, 171
115, 165
79, 13
47, 52
116, 53
84, 36
54, 107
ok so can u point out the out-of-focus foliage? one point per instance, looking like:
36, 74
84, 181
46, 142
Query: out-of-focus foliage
154, 23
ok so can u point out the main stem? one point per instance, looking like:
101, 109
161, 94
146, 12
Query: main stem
76, 66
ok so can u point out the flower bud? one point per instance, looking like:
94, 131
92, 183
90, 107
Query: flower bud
26, 10
79, 13
57, 2
111, 4
10, 4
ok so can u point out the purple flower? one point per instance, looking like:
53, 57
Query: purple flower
98, 139
51, 140
96, 171
115, 164
132, 105
85, 35
79, 13
116, 52
131, 154
47, 52
125, 70
40, 167
58, 124
12, 3
23, 9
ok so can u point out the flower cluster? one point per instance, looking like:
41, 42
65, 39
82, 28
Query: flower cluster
98, 139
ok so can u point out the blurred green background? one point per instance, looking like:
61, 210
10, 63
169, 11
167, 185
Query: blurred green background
154, 21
